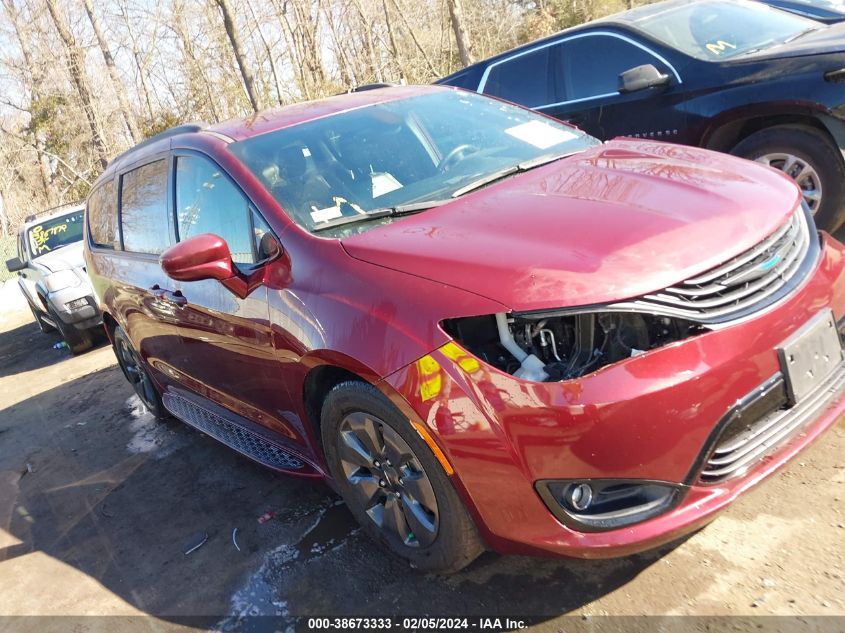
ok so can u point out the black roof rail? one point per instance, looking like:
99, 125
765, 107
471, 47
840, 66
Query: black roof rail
67, 205
185, 128
365, 87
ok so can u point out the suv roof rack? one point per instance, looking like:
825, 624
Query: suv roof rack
186, 128
67, 205
365, 87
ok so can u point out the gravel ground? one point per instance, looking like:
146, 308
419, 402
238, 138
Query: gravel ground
98, 502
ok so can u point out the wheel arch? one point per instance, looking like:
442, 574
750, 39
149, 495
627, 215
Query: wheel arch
41, 293
110, 324
724, 136
326, 372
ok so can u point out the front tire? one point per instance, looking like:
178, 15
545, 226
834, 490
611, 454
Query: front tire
136, 373
39, 320
810, 158
392, 483
78, 341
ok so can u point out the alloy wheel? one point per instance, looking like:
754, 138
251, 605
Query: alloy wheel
387, 480
801, 172
136, 374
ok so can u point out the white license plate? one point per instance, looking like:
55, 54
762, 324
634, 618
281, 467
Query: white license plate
810, 355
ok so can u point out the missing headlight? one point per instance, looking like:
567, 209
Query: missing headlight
552, 348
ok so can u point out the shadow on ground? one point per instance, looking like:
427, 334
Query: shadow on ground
27, 348
91, 480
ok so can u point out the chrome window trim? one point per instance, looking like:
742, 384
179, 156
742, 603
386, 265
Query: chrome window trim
483, 82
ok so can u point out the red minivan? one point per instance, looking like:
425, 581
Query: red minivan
484, 328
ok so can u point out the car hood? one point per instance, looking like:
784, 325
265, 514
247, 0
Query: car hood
617, 221
65, 258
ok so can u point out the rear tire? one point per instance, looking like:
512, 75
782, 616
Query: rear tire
135, 371
810, 155
393, 485
78, 341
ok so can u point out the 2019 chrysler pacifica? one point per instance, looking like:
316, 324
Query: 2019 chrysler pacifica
483, 327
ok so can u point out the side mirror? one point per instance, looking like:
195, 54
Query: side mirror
14, 265
200, 257
640, 78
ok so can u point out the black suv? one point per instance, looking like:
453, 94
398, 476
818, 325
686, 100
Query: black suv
738, 77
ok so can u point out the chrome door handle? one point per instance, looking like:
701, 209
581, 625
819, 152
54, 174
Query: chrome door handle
176, 297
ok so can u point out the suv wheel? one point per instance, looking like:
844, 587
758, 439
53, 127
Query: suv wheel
392, 483
77, 341
135, 371
811, 159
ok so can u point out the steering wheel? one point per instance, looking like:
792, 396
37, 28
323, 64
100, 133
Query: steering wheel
456, 156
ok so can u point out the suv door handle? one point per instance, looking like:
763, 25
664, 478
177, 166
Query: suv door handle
176, 297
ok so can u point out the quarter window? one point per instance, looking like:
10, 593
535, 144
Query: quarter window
102, 216
525, 79
590, 66
208, 202
143, 209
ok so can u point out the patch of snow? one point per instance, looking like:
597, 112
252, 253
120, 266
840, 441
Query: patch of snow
149, 434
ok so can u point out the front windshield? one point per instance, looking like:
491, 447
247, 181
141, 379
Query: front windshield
414, 150
54, 233
717, 30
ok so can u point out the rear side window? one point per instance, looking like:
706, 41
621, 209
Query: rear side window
208, 202
102, 216
143, 209
525, 79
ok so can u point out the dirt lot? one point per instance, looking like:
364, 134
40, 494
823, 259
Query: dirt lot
97, 503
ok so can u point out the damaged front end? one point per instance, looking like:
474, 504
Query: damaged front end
551, 347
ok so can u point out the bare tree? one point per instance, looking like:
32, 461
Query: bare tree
456, 14
268, 50
36, 89
76, 67
238, 51
4, 216
117, 85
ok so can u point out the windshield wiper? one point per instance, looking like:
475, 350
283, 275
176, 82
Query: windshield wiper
385, 212
801, 34
488, 179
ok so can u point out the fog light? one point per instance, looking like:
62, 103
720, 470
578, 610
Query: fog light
608, 504
579, 496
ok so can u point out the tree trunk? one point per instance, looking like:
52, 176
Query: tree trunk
269, 52
117, 85
394, 50
37, 139
76, 66
368, 42
456, 14
238, 50
4, 216
347, 73
409, 28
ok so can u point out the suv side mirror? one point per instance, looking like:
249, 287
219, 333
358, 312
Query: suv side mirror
14, 265
640, 78
207, 256
200, 257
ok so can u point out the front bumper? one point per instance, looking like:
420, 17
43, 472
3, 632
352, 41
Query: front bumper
83, 315
651, 417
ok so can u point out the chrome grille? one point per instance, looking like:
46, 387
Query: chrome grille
242, 440
748, 282
733, 456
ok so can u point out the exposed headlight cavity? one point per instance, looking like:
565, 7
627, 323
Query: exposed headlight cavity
61, 279
546, 347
